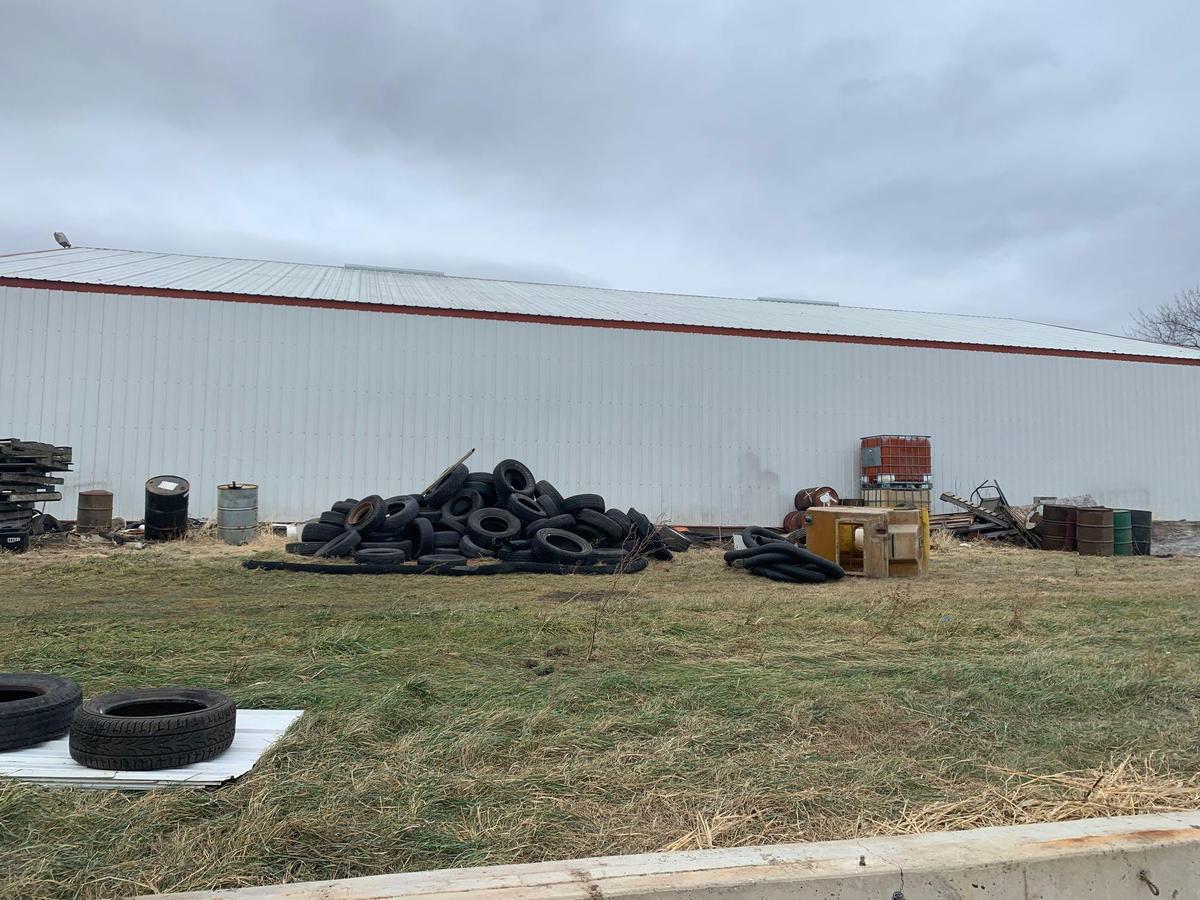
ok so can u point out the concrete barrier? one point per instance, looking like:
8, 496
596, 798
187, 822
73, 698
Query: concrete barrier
1134, 857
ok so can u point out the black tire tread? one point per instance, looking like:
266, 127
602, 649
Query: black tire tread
100, 740
33, 720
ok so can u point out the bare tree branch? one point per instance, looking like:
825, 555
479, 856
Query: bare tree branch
1177, 322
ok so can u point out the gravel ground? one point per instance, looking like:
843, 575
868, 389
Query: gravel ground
1177, 538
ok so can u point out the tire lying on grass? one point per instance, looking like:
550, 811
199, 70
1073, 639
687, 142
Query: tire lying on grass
156, 728
35, 707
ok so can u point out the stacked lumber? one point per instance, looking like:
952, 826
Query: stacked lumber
26, 479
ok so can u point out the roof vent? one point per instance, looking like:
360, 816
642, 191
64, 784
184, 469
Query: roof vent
799, 300
366, 268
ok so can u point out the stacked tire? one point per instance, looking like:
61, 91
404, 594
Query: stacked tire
506, 514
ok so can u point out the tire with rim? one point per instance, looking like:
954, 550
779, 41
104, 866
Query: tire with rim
576, 502
155, 728
368, 514
35, 707
447, 486
512, 476
556, 545
489, 525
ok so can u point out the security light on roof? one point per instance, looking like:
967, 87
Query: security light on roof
366, 268
800, 300
62, 240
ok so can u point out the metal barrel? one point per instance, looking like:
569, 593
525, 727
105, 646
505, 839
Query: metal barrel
1094, 531
94, 512
1122, 533
166, 507
816, 496
1141, 521
793, 521
1057, 527
237, 512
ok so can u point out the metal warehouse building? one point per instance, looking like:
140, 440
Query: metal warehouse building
318, 382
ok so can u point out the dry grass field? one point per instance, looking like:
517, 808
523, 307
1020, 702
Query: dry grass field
519, 718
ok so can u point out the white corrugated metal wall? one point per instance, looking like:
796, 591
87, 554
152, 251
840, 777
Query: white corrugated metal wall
317, 404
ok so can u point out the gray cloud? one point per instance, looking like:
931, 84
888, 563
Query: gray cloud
988, 157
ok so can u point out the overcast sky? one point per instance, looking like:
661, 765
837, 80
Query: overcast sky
1010, 158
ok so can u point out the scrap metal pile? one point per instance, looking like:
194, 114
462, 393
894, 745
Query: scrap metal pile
525, 525
987, 514
26, 479
769, 555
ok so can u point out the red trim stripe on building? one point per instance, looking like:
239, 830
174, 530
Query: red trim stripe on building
531, 318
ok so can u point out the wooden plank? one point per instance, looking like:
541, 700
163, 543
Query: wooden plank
36, 497
21, 478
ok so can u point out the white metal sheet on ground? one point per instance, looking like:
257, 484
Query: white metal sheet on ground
51, 763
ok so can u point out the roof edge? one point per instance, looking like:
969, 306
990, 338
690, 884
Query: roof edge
579, 322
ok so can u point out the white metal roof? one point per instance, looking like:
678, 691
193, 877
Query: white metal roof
253, 277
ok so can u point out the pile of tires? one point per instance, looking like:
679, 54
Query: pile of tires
768, 555
506, 514
139, 730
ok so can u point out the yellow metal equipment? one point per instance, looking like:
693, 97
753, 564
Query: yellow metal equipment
869, 541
